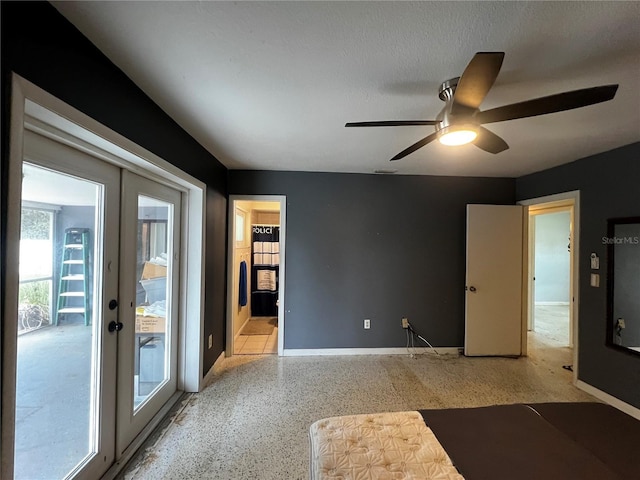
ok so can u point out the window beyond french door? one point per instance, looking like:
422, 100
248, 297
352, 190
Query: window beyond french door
99, 277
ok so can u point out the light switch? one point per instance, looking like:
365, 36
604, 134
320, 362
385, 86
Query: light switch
595, 279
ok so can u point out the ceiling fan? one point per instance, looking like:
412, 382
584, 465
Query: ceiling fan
460, 121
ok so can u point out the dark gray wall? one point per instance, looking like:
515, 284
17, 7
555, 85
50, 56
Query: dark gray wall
42, 46
609, 187
377, 247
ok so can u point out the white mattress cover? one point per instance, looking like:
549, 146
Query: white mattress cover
382, 446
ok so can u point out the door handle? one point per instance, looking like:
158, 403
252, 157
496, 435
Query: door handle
115, 326
471, 288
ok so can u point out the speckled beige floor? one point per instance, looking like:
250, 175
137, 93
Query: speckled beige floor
252, 421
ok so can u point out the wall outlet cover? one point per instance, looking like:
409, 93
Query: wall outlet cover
367, 323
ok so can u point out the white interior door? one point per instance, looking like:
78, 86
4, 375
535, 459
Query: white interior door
493, 306
66, 360
149, 283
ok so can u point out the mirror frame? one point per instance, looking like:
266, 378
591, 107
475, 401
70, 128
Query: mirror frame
611, 225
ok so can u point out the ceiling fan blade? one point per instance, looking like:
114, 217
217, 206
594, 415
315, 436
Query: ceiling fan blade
476, 81
489, 141
551, 104
391, 123
416, 146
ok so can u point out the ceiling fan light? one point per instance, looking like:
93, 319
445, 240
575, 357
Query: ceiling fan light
459, 136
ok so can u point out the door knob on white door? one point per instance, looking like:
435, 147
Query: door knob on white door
471, 288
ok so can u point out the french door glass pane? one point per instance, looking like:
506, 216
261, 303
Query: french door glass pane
56, 398
153, 307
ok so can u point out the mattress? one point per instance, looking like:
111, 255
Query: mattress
389, 446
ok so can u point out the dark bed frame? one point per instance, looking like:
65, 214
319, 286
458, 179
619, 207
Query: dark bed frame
539, 441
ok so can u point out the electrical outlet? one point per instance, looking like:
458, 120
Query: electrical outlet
210, 341
367, 324
405, 322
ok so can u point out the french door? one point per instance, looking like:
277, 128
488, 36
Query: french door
148, 341
98, 312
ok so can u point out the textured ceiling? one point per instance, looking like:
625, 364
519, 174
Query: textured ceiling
270, 85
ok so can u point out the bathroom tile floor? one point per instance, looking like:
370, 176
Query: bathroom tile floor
256, 344
252, 421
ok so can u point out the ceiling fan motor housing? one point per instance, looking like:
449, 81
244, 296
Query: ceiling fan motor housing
445, 118
447, 89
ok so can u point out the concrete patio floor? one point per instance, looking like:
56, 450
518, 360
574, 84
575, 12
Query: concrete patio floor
52, 401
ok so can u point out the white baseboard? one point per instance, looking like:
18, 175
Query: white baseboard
209, 376
309, 352
610, 399
551, 303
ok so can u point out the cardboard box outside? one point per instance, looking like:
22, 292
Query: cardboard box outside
151, 270
150, 324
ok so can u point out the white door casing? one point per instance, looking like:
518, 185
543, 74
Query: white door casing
569, 199
493, 297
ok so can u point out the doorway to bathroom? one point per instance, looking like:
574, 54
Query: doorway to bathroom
255, 293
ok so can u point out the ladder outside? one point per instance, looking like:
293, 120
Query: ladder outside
73, 290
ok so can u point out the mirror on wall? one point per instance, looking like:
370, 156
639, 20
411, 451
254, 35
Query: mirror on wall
623, 281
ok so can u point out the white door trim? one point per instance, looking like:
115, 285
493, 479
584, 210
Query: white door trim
9, 334
571, 199
87, 133
282, 200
